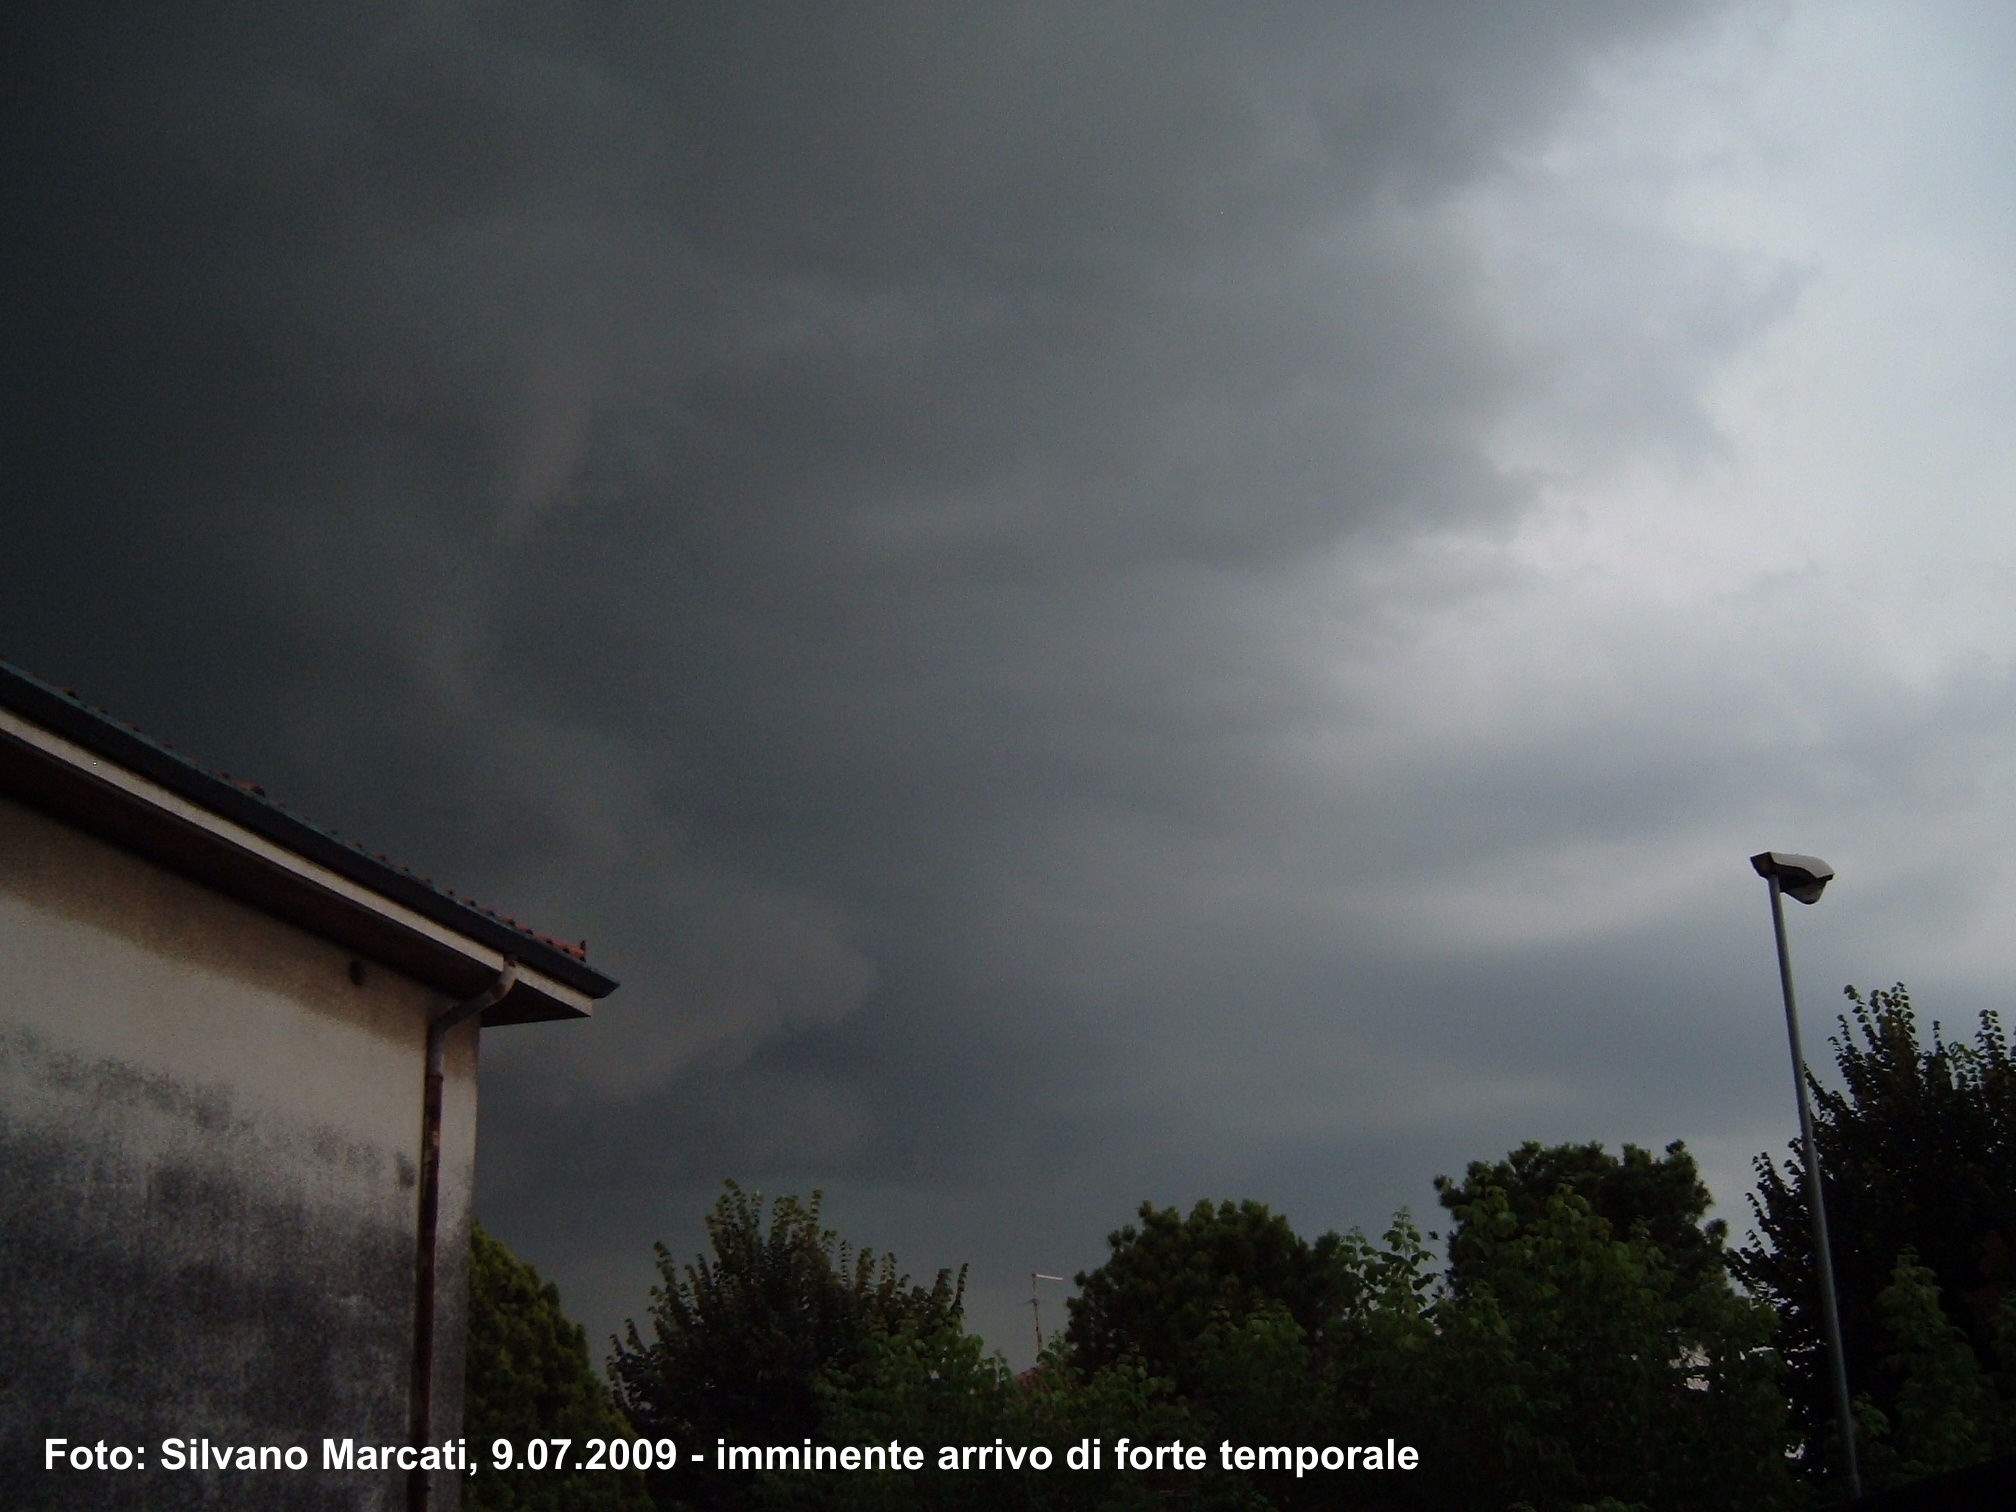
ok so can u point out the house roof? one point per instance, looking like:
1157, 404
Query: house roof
76, 761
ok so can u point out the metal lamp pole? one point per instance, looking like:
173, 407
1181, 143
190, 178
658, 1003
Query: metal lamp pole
1805, 876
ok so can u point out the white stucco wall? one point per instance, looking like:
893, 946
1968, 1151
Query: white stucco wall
209, 1138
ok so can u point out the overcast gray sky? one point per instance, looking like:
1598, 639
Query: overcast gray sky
1086, 603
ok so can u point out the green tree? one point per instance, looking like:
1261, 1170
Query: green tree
1562, 1359
739, 1341
528, 1376
1663, 1194
1917, 1148
1253, 1374
1947, 1413
1169, 1280
1575, 1366
944, 1387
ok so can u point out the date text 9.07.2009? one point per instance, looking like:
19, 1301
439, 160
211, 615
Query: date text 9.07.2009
588, 1454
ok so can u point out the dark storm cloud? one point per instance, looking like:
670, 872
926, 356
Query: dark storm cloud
792, 493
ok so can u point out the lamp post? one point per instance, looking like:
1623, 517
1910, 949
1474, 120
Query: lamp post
1805, 878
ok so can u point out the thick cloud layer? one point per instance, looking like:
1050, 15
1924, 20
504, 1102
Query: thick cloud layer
1084, 602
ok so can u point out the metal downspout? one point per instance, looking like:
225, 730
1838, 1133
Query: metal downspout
419, 1483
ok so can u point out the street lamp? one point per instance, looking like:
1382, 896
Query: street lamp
1805, 878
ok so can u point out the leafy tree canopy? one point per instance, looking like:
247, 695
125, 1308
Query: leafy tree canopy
1169, 1279
1566, 1360
1917, 1147
1575, 1367
945, 1388
1663, 1194
1572, 1365
528, 1376
739, 1341
1947, 1413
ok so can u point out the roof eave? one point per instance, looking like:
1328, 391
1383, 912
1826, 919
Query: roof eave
67, 760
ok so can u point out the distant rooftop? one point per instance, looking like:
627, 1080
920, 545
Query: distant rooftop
245, 805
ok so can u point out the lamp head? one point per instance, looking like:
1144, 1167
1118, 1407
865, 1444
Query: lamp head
1801, 877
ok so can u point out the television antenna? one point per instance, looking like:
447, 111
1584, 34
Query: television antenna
1036, 1305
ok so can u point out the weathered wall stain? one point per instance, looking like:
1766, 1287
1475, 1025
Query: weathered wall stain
211, 1290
